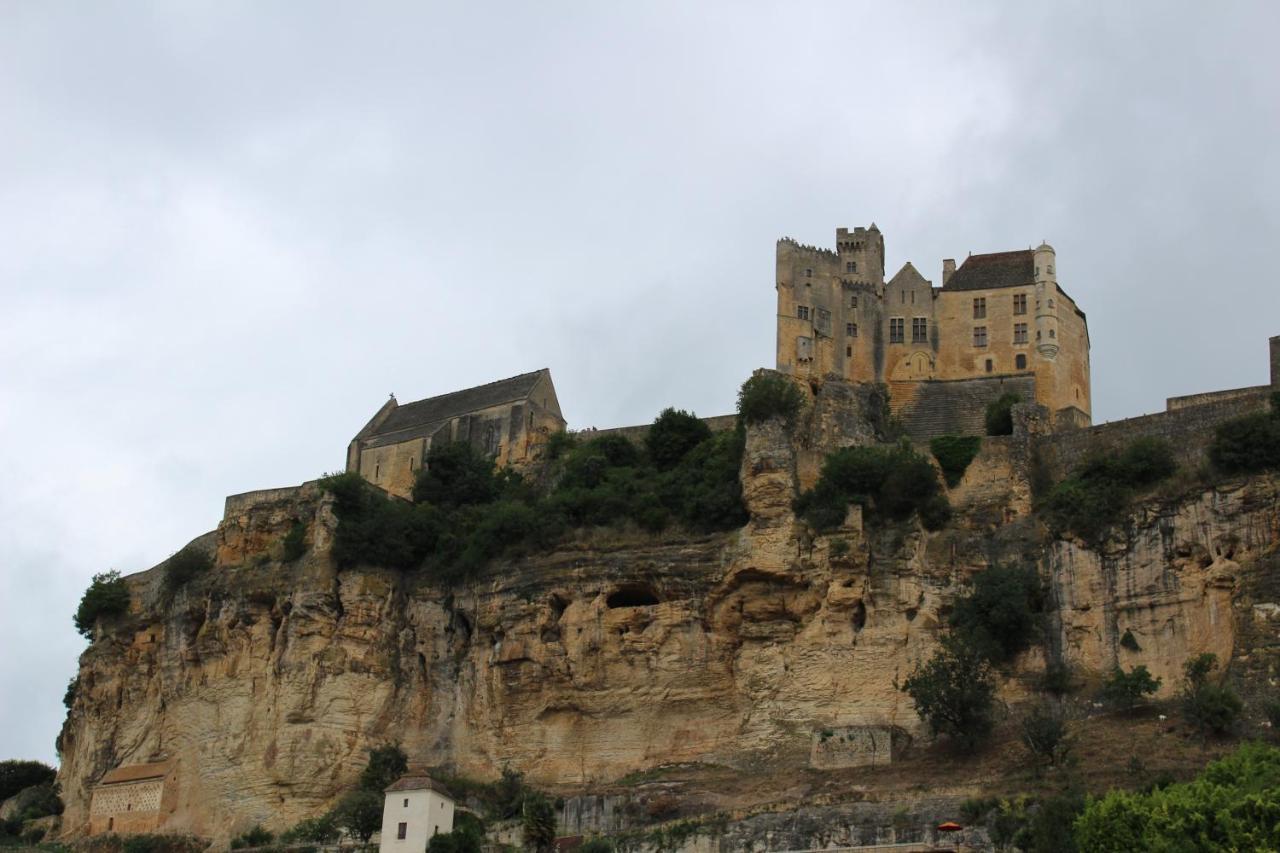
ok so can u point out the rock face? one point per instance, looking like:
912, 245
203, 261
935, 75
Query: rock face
265, 683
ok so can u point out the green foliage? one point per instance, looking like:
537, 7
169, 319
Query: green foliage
1098, 492
1211, 708
839, 547
1271, 709
954, 453
1058, 678
1049, 825
1002, 613
387, 763
69, 696
889, 482
768, 395
559, 443
999, 416
1124, 690
1248, 444
1233, 805
294, 544
1130, 642
38, 801
975, 809
539, 823
674, 433
319, 830
596, 845
360, 813
954, 693
468, 513
106, 598
1044, 734
255, 837
185, 566
467, 836
16, 775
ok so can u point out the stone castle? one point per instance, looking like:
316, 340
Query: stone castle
999, 323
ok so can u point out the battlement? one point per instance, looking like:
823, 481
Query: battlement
807, 249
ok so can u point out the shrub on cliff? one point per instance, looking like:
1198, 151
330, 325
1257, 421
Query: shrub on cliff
1124, 690
1097, 493
1209, 707
673, 435
954, 693
999, 415
185, 566
386, 764
954, 453
467, 836
106, 598
254, 837
1248, 444
360, 813
890, 482
1002, 612
768, 395
456, 474
539, 824
317, 830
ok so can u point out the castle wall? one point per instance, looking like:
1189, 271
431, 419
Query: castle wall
717, 423
957, 406
1188, 430
1175, 403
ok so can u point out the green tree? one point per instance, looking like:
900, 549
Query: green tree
999, 416
318, 830
1044, 734
387, 763
1124, 690
1210, 707
954, 693
16, 775
597, 845
1233, 805
539, 823
255, 837
360, 813
106, 598
1002, 612
1248, 444
456, 474
674, 433
767, 394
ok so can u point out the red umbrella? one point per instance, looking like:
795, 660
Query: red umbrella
949, 826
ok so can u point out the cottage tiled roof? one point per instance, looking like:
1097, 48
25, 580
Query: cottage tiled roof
423, 417
135, 773
998, 269
417, 782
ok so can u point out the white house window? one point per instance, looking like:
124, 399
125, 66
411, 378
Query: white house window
406, 802
402, 831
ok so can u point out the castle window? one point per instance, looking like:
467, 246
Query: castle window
979, 308
851, 266
990, 366
897, 328
375, 471
919, 330
848, 351
1020, 303
1050, 269
1019, 333
1053, 333
808, 273
851, 329
802, 311
904, 297
913, 297
979, 336
1020, 361
853, 302
1050, 303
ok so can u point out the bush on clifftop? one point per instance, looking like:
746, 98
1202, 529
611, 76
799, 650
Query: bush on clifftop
15, 775
106, 598
185, 566
768, 395
1248, 444
889, 482
1098, 492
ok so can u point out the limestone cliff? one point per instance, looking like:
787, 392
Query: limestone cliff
266, 682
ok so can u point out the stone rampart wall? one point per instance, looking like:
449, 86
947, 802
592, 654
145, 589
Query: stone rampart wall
959, 406
718, 423
1189, 430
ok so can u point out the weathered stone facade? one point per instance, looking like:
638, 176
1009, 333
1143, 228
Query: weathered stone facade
508, 420
998, 316
132, 799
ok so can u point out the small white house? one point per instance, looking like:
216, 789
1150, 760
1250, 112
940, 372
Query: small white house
415, 809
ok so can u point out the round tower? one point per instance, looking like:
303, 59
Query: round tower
1047, 299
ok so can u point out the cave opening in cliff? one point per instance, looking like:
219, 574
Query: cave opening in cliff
632, 595
859, 616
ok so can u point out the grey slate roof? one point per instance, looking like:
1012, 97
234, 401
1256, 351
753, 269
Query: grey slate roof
423, 417
998, 269
418, 782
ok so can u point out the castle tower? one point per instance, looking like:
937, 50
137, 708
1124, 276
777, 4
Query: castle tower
1047, 299
861, 254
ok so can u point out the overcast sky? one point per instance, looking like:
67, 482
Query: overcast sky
229, 230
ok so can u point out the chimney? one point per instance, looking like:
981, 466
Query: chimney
948, 267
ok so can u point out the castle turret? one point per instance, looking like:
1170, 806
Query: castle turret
1047, 298
861, 254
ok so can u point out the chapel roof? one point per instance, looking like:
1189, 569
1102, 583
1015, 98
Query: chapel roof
995, 270
421, 417
417, 782
135, 773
